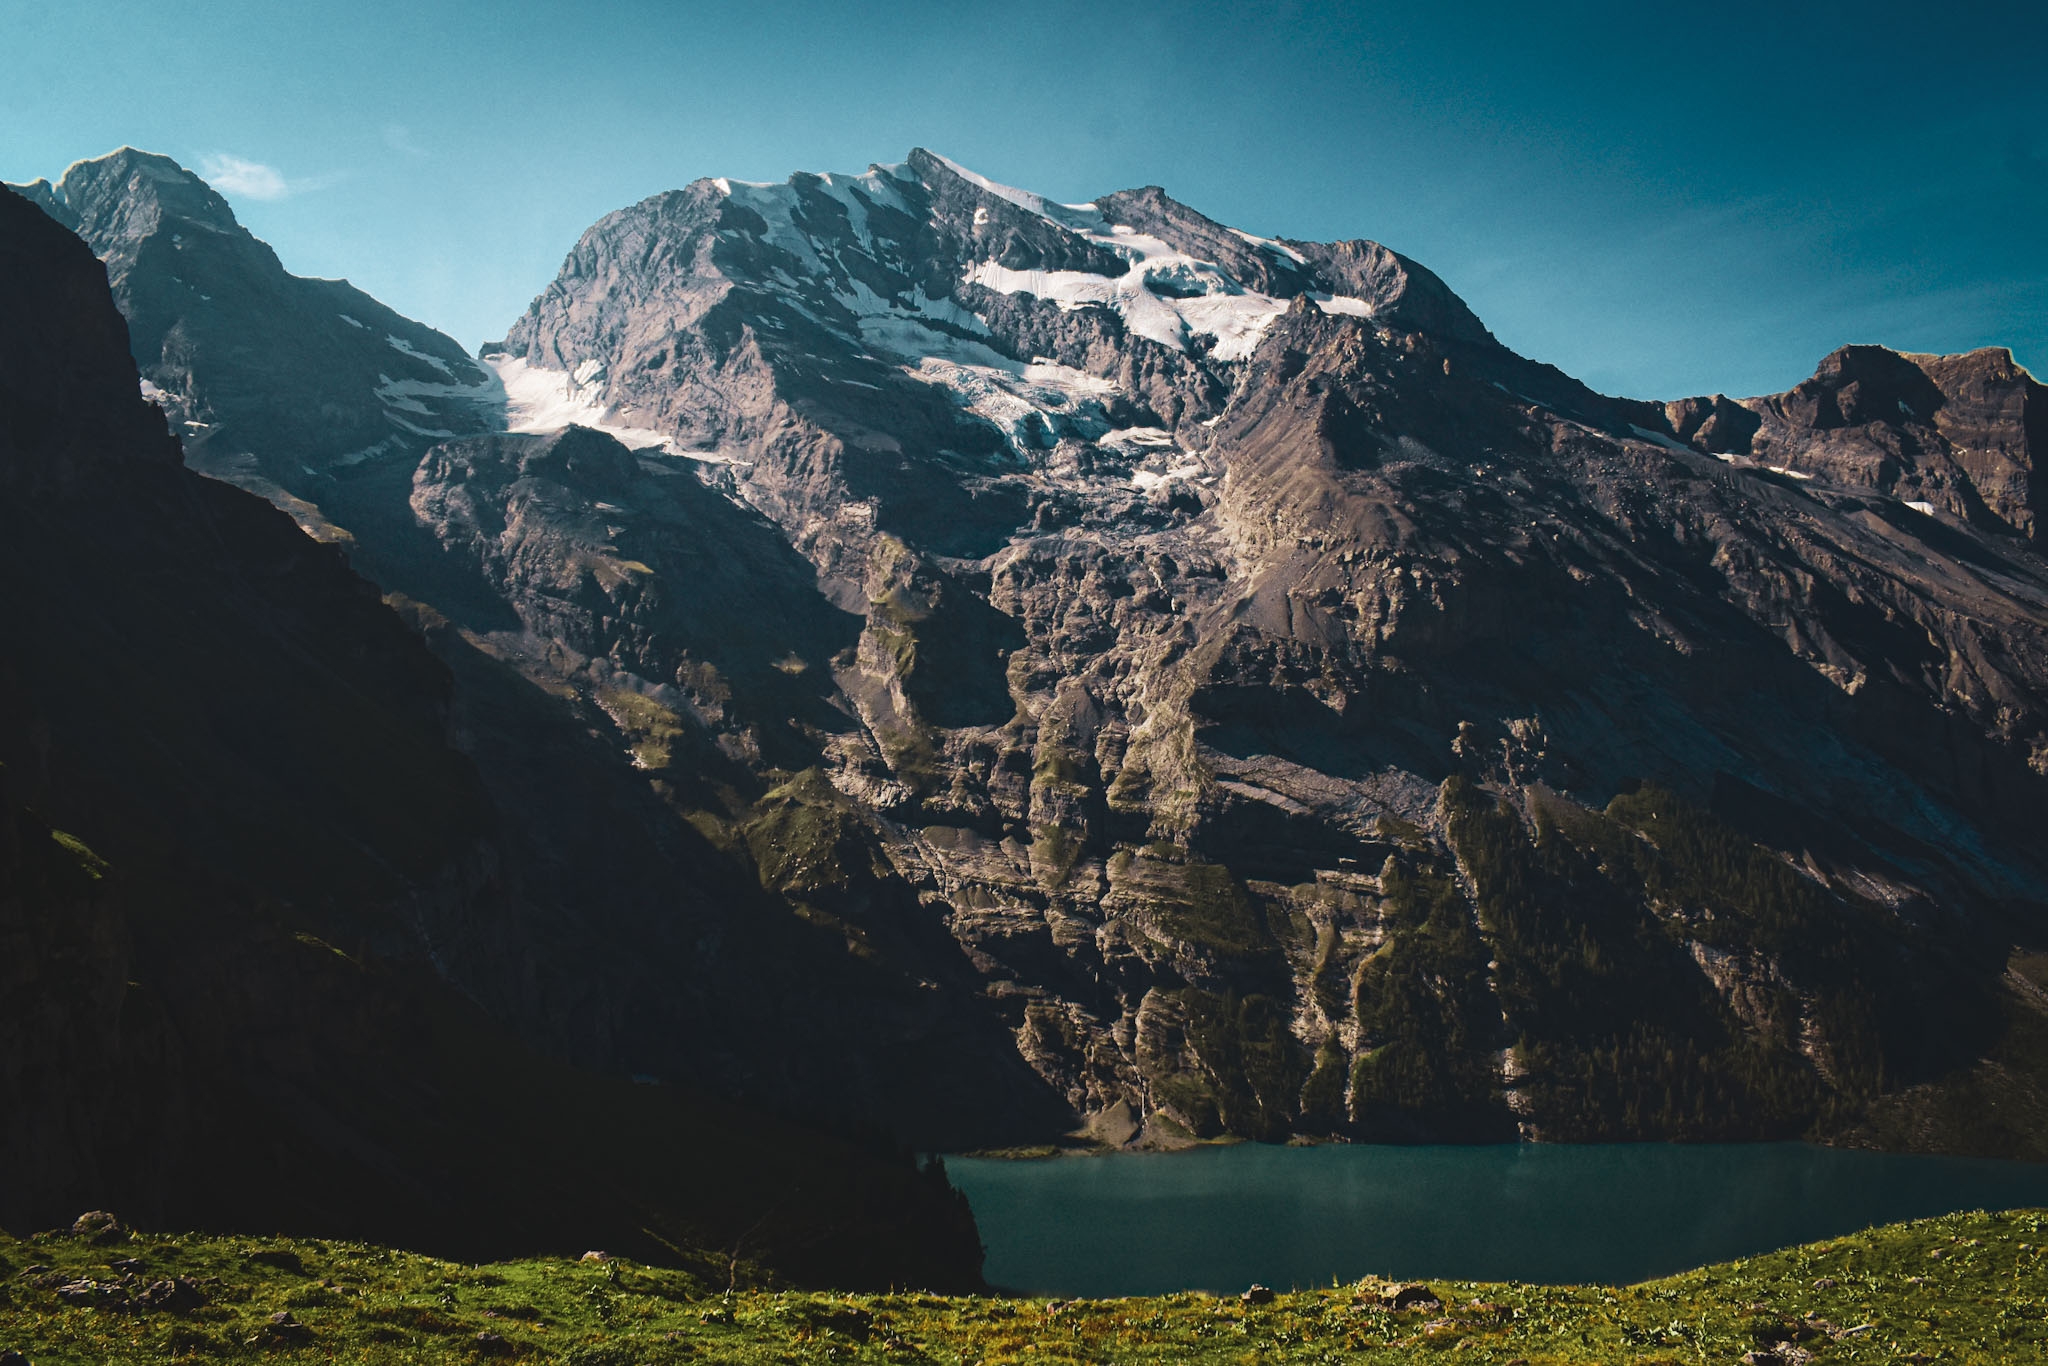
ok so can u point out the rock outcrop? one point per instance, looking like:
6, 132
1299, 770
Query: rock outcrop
1960, 434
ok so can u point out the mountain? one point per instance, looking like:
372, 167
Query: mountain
1009, 667
282, 385
235, 844
1308, 776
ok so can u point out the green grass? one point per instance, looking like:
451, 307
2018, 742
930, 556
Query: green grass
1967, 1288
652, 729
89, 865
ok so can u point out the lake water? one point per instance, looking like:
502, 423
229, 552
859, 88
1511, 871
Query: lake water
1222, 1218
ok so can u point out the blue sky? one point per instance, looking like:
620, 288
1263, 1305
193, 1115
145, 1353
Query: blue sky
1660, 200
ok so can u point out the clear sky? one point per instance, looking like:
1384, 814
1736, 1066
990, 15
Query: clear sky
1660, 200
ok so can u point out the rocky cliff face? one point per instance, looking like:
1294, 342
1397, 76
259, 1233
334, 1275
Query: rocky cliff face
1959, 434
236, 854
1047, 666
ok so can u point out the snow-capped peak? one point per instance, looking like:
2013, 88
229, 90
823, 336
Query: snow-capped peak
1081, 217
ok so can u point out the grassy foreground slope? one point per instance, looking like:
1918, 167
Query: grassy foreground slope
1964, 1288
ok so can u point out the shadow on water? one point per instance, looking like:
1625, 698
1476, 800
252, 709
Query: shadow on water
1222, 1218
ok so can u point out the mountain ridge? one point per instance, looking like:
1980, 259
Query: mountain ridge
1151, 612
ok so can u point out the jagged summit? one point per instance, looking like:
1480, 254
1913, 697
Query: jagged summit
130, 181
923, 163
900, 237
1013, 327
344, 385
106, 193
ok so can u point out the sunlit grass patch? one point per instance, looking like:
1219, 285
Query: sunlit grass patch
1968, 1288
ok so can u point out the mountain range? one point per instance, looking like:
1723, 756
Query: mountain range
940, 663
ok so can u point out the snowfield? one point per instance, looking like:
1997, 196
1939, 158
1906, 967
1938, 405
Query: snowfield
542, 400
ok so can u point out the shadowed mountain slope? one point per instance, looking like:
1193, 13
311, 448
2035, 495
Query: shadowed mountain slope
234, 842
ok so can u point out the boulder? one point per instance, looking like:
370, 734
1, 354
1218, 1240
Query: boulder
1409, 1297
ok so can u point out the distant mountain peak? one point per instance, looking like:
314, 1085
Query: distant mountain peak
127, 181
344, 384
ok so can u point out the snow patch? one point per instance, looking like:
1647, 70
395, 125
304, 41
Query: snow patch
1141, 437
778, 203
542, 400
366, 453
907, 338
1659, 439
351, 321
1066, 215
406, 348
1343, 303
1157, 455
877, 185
1164, 294
1924, 509
902, 328
1033, 406
438, 433
1215, 304
1268, 244
1745, 463
405, 395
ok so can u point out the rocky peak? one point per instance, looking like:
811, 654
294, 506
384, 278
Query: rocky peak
1717, 425
973, 218
1266, 266
1406, 295
130, 194
1964, 434
1858, 386
919, 322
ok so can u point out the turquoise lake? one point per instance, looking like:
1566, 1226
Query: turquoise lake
1222, 1218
